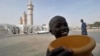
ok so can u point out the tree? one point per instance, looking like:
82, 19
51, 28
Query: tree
91, 25
97, 24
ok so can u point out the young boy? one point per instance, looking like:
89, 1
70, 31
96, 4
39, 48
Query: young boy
59, 27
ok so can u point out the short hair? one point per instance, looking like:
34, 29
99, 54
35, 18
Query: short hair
82, 20
55, 19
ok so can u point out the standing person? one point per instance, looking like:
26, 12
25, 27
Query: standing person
83, 28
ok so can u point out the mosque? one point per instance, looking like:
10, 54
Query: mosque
26, 20
25, 23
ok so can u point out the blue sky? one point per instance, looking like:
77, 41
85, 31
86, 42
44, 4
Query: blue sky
44, 10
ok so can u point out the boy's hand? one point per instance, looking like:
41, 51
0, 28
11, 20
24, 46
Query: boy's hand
61, 52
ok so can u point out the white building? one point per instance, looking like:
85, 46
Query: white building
26, 20
25, 23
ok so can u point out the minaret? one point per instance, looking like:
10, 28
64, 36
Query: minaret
24, 18
30, 13
21, 21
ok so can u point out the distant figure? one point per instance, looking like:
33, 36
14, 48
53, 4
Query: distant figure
83, 27
18, 30
26, 30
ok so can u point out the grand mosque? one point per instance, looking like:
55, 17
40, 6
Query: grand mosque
26, 20
25, 23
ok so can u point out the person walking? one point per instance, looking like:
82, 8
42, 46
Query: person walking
83, 28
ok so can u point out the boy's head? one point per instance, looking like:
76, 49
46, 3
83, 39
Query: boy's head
58, 26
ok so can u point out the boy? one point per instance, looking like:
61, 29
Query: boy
59, 27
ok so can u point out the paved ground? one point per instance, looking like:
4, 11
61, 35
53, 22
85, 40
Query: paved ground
24, 45
29, 45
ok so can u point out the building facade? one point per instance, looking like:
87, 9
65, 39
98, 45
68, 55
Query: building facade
26, 20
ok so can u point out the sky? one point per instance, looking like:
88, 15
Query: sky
44, 10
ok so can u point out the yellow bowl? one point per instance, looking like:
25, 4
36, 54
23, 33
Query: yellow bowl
81, 45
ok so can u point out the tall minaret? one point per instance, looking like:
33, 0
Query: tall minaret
30, 13
24, 18
20, 21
